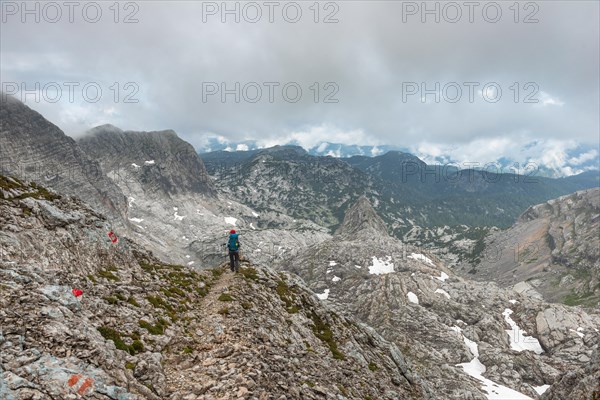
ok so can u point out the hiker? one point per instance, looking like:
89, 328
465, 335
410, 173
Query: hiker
234, 255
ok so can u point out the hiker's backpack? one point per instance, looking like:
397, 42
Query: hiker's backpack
233, 243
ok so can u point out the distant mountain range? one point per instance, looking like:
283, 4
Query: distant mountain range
405, 191
580, 159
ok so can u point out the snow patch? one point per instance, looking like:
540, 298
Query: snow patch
476, 369
230, 220
329, 271
149, 162
381, 267
332, 263
134, 165
519, 341
421, 257
178, 217
443, 292
255, 214
513, 301
324, 295
190, 263
130, 201
252, 226
541, 389
412, 297
336, 279
358, 266
442, 277
136, 220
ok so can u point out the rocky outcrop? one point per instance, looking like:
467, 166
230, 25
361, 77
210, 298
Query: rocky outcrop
361, 216
161, 161
579, 384
142, 329
553, 246
440, 320
33, 148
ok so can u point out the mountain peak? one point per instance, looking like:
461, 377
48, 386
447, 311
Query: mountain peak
361, 216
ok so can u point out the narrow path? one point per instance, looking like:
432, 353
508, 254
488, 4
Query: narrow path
200, 362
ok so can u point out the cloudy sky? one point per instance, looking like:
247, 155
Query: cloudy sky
469, 82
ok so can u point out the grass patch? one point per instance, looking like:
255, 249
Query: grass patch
322, 330
92, 279
173, 292
287, 296
130, 365
578, 299
114, 335
217, 272
373, 367
157, 329
112, 300
225, 297
249, 273
187, 350
107, 274
246, 305
131, 300
158, 302
224, 311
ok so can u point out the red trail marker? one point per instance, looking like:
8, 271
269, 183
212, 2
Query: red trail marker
113, 237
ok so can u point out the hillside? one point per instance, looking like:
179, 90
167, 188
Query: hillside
448, 326
414, 199
33, 148
553, 246
146, 330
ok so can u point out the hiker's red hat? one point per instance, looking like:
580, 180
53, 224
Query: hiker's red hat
232, 231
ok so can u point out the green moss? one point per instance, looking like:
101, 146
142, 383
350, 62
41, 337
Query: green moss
92, 279
373, 367
157, 329
308, 383
246, 305
114, 335
108, 275
111, 300
130, 365
131, 300
173, 292
187, 350
120, 297
137, 346
225, 297
158, 302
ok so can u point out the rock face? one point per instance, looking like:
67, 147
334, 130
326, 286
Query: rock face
33, 148
146, 330
360, 217
165, 163
440, 320
174, 210
553, 246
578, 384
